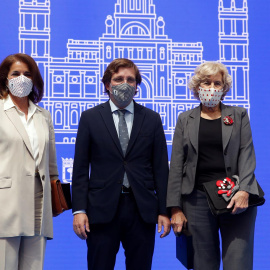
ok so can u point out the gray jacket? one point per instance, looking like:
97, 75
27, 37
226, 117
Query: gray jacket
238, 151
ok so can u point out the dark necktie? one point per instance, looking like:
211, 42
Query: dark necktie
123, 138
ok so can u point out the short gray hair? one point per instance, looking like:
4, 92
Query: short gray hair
204, 71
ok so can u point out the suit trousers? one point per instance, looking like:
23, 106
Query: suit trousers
25, 252
236, 231
137, 237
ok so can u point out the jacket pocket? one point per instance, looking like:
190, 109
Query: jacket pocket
5, 182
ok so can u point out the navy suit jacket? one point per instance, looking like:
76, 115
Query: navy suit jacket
238, 152
99, 164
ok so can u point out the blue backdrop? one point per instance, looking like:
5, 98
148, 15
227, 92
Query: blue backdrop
73, 41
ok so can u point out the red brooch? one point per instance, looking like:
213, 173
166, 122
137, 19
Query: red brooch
228, 120
225, 187
228, 187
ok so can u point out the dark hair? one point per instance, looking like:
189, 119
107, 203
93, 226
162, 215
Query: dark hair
113, 68
38, 85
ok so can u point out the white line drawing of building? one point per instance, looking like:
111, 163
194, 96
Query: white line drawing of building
73, 83
233, 50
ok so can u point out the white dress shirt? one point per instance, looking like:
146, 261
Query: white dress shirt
129, 116
28, 124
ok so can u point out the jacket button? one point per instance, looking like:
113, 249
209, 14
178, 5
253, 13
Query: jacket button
43, 177
125, 163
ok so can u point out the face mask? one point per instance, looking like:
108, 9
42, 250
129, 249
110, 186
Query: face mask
20, 86
210, 97
123, 94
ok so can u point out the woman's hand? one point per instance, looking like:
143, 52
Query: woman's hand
239, 201
178, 220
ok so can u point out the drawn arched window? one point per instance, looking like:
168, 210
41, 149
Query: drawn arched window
130, 53
162, 53
58, 117
108, 52
135, 31
132, 5
121, 52
162, 86
162, 113
73, 140
180, 109
65, 140
140, 53
74, 118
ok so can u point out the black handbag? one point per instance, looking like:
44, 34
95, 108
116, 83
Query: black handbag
184, 249
220, 192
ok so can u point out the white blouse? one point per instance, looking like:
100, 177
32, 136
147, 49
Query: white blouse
28, 124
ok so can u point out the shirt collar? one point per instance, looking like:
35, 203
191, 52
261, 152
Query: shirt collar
8, 104
129, 108
31, 109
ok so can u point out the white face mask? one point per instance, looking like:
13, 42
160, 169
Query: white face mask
20, 86
210, 97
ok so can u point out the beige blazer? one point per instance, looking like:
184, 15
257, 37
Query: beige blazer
17, 173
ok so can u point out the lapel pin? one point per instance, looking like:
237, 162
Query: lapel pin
228, 120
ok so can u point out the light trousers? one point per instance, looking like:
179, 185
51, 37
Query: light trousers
22, 253
25, 252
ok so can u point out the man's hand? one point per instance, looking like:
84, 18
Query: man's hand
178, 220
239, 201
80, 225
164, 221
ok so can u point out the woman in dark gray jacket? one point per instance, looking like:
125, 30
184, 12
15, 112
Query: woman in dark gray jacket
211, 142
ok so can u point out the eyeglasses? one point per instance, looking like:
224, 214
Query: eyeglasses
120, 80
207, 84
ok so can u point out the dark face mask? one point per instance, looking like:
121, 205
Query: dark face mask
123, 94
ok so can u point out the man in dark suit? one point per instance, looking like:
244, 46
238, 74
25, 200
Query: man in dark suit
122, 146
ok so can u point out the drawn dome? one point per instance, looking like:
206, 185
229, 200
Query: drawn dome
160, 22
109, 21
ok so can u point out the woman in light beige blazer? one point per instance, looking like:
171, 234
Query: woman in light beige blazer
28, 163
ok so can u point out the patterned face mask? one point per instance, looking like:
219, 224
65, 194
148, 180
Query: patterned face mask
20, 86
123, 94
210, 97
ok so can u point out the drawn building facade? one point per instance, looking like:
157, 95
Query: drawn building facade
73, 83
233, 50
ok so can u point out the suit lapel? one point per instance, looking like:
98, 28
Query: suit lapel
226, 129
106, 114
139, 114
193, 127
40, 126
16, 121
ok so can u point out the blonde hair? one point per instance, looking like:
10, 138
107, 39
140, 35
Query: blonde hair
204, 71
